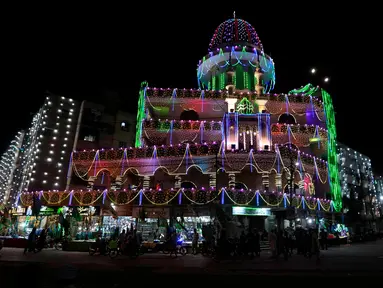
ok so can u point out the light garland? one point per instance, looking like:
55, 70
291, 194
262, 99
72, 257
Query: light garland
172, 94
336, 191
183, 196
177, 159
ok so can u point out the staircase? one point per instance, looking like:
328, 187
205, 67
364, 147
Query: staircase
265, 245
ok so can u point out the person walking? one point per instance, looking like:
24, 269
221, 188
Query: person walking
31, 243
195, 242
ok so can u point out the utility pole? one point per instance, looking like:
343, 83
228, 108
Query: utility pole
216, 171
292, 174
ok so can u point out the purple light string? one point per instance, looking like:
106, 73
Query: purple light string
95, 164
251, 160
287, 104
223, 196
140, 197
312, 106
154, 156
180, 197
316, 169
70, 165
201, 130
70, 198
171, 132
257, 198
173, 97
123, 163
202, 97
104, 196
187, 156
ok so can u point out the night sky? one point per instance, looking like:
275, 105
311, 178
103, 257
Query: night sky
81, 54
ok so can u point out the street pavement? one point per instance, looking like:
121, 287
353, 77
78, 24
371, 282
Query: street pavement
364, 259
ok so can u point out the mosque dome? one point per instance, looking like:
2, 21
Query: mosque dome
235, 31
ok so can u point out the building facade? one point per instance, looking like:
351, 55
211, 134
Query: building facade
357, 180
230, 133
40, 157
10, 169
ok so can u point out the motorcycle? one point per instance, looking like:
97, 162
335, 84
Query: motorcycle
180, 249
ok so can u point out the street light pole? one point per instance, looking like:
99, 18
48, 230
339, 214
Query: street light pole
216, 171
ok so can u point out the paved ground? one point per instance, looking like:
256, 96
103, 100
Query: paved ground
354, 260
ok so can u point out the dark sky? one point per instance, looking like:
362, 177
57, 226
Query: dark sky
81, 52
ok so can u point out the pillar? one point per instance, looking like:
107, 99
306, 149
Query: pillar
231, 180
91, 181
146, 182
265, 181
259, 88
212, 180
177, 182
278, 181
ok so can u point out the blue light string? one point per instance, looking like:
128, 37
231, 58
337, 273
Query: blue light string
257, 198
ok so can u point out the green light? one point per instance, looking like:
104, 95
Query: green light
336, 191
308, 90
140, 114
245, 107
314, 140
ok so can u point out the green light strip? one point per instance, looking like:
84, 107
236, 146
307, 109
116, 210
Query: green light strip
140, 114
308, 90
336, 191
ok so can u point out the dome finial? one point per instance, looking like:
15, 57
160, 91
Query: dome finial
234, 14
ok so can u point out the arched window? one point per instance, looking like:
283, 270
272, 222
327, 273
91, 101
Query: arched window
291, 145
240, 185
188, 185
189, 115
287, 118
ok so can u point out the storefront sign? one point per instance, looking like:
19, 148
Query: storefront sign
18, 211
45, 211
250, 211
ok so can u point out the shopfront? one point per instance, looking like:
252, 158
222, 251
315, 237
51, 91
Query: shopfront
255, 217
152, 222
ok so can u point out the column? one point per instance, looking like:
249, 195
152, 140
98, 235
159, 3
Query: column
231, 180
265, 181
278, 181
177, 182
91, 181
146, 182
259, 88
212, 180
